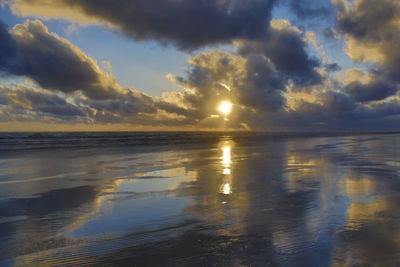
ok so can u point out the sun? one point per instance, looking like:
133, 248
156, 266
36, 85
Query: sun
225, 107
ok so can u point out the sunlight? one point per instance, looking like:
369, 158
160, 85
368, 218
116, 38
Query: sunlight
226, 171
226, 162
226, 189
226, 156
225, 107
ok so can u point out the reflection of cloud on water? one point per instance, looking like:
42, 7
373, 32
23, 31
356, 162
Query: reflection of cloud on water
46, 216
369, 234
279, 201
50, 220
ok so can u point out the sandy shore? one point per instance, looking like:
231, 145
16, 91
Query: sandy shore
317, 201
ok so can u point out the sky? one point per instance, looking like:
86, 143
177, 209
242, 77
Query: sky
269, 65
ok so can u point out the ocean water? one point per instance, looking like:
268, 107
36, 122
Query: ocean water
199, 199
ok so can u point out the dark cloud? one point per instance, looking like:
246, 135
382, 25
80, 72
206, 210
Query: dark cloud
375, 90
255, 78
38, 101
271, 77
205, 82
123, 104
262, 86
335, 112
330, 33
286, 48
369, 18
337, 102
332, 67
52, 62
188, 24
4, 100
330, 111
7, 48
372, 33
28, 104
390, 108
47, 103
249, 82
59, 67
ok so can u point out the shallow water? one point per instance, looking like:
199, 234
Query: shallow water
316, 201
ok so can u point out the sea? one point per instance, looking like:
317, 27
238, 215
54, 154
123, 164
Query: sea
199, 199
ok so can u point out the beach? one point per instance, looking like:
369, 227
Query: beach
199, 200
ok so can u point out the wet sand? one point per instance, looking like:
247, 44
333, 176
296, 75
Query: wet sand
320, 201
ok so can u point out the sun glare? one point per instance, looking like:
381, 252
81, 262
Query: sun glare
225, 107
226, 161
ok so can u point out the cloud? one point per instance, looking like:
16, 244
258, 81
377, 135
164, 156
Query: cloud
71, 29
260, 70
269, 93
54, 63
255, 77
332, 67
71, 84
376, 90
264, 99
372, 34
270, 75
4, 3
107, 65
367, 18
8, 48
330, 110
250, 83
23, 103
188, 24
286, 47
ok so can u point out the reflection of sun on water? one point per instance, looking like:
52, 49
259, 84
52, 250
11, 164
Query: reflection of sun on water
226, 189
226, 156
226, 171
226, 162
